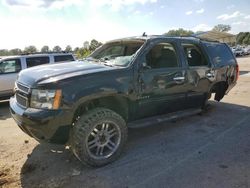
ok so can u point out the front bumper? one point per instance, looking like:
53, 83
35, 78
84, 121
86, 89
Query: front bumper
51, 126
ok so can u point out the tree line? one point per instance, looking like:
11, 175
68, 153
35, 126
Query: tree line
80, 52
183, 32
243, 38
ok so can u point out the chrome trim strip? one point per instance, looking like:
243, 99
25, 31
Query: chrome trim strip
25, 86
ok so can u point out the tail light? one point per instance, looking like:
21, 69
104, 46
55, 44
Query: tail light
237, 72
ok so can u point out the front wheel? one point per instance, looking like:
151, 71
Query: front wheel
98, 137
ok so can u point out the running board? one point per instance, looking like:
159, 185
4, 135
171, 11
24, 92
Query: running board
163, 118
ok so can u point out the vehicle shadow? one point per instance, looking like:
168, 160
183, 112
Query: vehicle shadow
148, 150
4, 110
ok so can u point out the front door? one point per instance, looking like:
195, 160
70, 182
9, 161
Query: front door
9, 69
162, 81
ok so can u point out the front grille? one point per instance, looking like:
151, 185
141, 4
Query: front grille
23, 101
22, 93
23, 88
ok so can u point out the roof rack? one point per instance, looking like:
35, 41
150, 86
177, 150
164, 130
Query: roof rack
204, 39
50, 52
189, 36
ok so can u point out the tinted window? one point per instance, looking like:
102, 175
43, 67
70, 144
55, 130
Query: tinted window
220, 53
35, 61
10, 66
162, 55
194, 55
61, 58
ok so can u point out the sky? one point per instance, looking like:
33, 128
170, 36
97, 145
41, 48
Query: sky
71, 22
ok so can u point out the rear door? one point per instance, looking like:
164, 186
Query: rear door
9, 69
199, 74
162, 80
224, 62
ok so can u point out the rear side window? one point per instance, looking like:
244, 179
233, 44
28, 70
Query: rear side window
10, 66
35, 61
194, 55
60, 58
220, 54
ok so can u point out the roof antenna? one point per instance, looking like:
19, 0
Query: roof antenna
144, 34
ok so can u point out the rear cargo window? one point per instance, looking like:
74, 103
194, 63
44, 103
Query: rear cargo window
220, 54
34, 61
61, 58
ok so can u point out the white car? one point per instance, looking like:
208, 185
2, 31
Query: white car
11, 66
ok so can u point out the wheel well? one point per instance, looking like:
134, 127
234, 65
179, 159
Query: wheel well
219, 89
116, 103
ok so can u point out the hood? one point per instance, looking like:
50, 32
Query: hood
54, 72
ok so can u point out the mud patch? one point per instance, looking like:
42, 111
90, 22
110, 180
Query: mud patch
5, 177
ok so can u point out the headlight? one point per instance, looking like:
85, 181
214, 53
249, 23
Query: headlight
46, 99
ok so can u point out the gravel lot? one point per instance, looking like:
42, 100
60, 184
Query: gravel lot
210, 150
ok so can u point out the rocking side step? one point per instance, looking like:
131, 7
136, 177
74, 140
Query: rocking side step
163, 118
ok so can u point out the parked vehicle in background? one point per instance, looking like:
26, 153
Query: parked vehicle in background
246, 50
11, 66
233, 50
239, 51
125, 82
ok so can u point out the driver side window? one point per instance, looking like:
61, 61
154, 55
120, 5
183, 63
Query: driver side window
162, 55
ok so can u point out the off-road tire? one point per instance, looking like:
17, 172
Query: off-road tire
82, 128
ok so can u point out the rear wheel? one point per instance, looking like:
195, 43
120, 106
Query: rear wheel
98, 137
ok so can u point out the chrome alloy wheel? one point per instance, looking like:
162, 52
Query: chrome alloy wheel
104, 140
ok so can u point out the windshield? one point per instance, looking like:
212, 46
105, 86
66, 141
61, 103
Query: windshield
117, 53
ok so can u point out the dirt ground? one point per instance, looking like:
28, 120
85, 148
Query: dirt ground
210, 150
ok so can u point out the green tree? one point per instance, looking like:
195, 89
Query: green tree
45, 49
15, 51
30, 49
57, 49
179, 32
246, 39
222, 28
4, 52
82, 53
76, 49
241, 37
94, 44
68, 48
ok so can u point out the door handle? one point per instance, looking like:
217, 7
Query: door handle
179, 78
210, 75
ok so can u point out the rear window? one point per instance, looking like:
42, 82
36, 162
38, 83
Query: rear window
35, 61
10, 66
61, 58
220, 54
